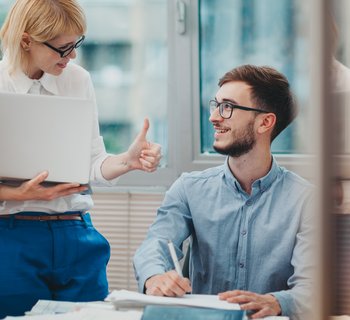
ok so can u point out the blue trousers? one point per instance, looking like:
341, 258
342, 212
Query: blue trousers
54, 260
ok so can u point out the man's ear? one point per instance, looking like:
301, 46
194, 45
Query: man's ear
26, 41
267, 122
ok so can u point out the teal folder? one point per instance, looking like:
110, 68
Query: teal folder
155, 312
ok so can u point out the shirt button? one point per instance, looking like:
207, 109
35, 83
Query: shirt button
249, 203
241, 265
244, 232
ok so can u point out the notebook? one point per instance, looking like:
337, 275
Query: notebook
154, 312
39, 132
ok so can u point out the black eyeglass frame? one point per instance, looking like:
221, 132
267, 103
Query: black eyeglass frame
65, 53
213, 104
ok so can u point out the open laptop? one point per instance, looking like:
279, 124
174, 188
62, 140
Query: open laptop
39, 132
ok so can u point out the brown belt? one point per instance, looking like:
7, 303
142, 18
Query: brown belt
52, 217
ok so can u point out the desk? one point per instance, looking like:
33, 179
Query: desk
44, 310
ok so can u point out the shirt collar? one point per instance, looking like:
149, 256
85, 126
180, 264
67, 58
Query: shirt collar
23, 83
259, 185
48, 81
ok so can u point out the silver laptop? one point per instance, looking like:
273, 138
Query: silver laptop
39, 132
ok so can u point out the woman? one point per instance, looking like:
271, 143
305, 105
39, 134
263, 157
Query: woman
48, 245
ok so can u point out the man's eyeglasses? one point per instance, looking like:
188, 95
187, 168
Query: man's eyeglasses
226, 108
66, 52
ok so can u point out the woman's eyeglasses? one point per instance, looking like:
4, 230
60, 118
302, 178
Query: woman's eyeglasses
66, 52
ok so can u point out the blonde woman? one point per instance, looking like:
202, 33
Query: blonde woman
48, 245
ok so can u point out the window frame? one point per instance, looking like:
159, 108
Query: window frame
184, 137
190, 156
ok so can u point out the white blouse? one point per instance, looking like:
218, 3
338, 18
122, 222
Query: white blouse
73, 82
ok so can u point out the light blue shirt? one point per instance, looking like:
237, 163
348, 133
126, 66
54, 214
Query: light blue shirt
259, 242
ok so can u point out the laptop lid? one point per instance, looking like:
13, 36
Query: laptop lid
39, 132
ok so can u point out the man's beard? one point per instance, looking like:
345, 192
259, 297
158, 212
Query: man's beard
244, 142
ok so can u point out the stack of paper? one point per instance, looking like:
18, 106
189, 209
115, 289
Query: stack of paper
130, 299
51, 307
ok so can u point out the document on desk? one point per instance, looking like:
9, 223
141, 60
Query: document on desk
51, 306
274, 318
85, 314
131, 299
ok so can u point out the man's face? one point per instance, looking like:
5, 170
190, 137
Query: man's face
234, 136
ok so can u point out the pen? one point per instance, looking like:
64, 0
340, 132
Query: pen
174, 258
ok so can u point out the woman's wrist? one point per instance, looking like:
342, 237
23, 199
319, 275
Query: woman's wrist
7, 193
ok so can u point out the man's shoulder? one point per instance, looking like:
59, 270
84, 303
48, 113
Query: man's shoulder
294, 179
209, 173
193, 181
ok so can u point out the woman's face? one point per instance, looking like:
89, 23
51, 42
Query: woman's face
44, 59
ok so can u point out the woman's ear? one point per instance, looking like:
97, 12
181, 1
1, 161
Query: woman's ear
26, 41
267, 122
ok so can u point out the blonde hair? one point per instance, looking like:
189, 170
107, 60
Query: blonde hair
43, 20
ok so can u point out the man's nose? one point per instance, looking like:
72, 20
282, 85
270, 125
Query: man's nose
215, 116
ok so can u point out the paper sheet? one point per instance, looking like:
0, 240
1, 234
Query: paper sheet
50, 306
85, 314
131, 299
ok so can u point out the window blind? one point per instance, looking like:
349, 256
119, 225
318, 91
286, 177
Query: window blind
124, 218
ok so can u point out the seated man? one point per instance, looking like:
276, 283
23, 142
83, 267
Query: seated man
247, 218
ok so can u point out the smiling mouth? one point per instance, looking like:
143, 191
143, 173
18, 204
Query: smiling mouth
221, 130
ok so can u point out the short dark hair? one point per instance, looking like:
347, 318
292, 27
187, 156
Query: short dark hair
270, 90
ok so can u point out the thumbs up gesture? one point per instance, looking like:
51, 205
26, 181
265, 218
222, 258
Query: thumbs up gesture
142, 154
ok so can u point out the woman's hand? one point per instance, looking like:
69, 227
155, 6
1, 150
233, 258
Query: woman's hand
142, 154
33, 190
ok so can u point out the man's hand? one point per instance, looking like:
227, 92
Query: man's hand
142, 154
263, 304
33, 190
168, 284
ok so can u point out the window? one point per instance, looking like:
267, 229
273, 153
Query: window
163, 59
239, 32
223, 34
126, 53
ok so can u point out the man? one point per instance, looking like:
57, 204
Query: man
247, 218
